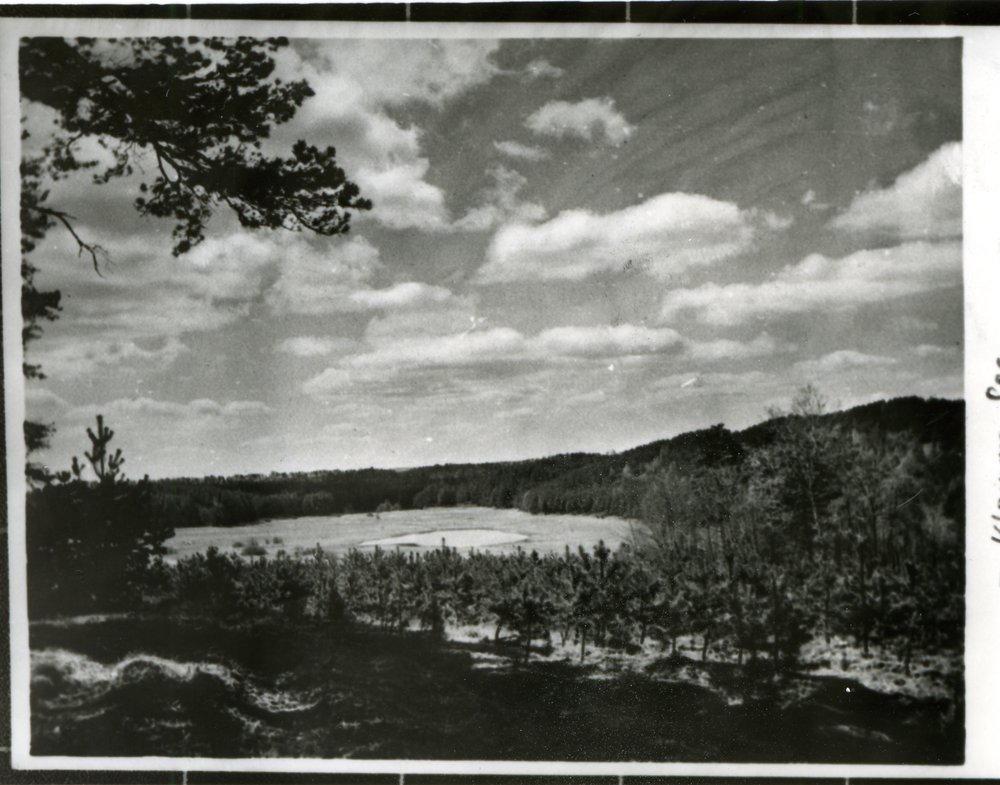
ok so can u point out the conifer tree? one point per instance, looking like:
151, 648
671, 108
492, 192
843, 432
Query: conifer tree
200, 108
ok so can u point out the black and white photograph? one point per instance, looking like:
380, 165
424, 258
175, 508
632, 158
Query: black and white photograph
488, 398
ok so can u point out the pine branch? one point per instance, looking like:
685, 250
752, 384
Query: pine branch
64, 218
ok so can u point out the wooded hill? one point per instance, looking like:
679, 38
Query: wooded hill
598, 484
849, 523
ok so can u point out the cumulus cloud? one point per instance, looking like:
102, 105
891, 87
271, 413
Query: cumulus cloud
500, 203
330, 381
777, 222
843, 360
337, 279
628, 340
455, 318
924, 203
809, 200
400, 71
403, 199
818, 283
234, 267
521, 151
585, 120
672, 231
357, 83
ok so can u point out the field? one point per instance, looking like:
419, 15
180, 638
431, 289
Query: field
471, 527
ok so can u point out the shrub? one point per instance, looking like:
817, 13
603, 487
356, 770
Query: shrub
254, 548
209, 581
226, 586
336, 608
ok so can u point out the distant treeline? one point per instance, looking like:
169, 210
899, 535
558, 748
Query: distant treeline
850, 523
578, 483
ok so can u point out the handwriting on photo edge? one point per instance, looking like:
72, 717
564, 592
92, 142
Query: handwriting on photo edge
993, 395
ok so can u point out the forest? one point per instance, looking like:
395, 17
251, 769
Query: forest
610, 484
848, 522
845, 526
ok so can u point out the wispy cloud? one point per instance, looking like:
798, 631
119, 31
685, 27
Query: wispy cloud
678, 384
126, 408
522, 151
930, 351
728, 349
314, 346
625, 339
844, 360
409, 294
543, 68
315, 282
393, 361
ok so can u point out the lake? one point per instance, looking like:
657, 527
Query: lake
465, 528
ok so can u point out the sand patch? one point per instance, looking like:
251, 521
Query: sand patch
452, 538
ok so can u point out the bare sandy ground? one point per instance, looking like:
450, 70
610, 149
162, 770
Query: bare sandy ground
930, 676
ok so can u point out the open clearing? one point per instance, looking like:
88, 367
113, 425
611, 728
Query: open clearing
465, 528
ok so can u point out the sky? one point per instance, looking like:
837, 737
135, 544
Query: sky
575, 245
